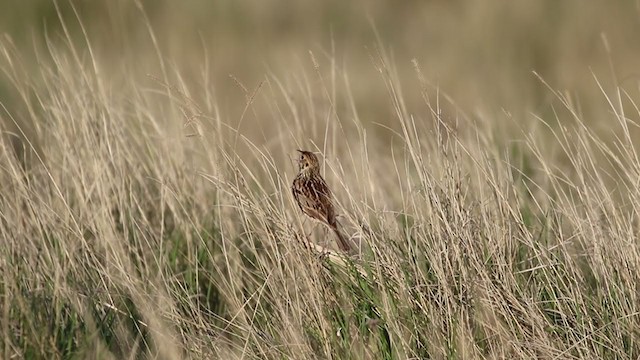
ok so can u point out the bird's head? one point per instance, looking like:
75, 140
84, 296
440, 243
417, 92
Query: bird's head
308, 161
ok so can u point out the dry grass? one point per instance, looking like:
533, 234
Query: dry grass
147, 214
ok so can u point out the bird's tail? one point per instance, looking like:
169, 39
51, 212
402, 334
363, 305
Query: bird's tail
343, 243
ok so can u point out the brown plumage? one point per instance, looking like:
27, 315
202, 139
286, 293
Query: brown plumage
314, 197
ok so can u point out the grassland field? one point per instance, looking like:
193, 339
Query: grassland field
482, 156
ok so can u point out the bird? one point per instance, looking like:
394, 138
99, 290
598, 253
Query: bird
313, 196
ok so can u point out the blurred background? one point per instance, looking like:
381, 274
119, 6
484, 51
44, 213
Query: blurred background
483, 54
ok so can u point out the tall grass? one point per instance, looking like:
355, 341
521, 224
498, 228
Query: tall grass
140, 220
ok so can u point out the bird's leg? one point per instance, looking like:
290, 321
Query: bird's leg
326, 237
307, 236
324, 241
